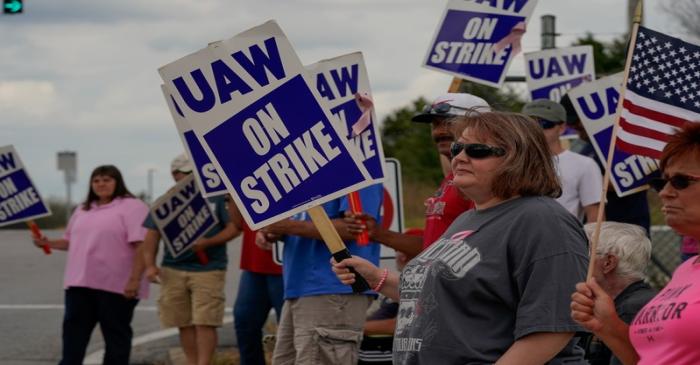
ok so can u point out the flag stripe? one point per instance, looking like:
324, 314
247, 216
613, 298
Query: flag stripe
653, 114
641, 121
637, 140
661, 106
638, 150
643, 131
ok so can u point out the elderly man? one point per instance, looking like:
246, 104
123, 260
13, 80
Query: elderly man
621, 257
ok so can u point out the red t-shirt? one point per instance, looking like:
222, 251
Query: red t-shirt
442, 209
665, 331
255, 259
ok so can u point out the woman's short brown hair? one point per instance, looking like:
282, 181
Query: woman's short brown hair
685, 143
528, 168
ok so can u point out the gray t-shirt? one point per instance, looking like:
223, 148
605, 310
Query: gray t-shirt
494, 276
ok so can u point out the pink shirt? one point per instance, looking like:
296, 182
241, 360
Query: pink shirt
665, 331
100, 249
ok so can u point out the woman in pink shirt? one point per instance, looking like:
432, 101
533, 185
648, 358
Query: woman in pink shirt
103, 273
665, 330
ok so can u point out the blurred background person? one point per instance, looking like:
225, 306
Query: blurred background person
622, 256
192, 293
103, 276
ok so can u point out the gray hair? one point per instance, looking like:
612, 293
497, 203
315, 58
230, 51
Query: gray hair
628, 242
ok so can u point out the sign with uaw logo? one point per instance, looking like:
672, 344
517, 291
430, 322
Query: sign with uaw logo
263, 124
551, 73
210, 183
19, 199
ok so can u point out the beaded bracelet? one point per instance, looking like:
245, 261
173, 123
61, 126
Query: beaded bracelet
381, 282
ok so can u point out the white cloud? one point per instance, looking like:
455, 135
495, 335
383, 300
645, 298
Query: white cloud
34, 99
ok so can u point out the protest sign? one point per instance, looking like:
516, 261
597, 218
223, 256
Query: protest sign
595, 103
182, 216
340, 81
476, 40
210, 183
19, 199
264, 126
551, 73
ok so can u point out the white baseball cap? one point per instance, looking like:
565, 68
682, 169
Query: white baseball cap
181, 163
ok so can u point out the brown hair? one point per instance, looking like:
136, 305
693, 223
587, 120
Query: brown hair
528, 168
120, 189
685, 143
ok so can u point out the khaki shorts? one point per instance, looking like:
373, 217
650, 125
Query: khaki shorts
191, 298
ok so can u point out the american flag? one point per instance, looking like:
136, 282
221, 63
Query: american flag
662, 94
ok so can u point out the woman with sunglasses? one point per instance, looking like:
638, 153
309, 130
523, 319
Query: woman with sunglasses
494, 288
665, 330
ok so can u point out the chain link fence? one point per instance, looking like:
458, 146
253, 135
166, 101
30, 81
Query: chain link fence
665, 255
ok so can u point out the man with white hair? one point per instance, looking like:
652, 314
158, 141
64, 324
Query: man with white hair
622, 255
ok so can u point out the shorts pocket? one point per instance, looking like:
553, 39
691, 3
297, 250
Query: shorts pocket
338, 346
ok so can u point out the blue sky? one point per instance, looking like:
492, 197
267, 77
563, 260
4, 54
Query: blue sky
81, 75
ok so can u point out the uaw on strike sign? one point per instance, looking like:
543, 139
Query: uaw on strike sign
596, 105
210, 183
344, 85
551, 73
19, 199
477, 39
264, 125
182, 216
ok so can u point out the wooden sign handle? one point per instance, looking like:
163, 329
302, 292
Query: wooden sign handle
335, 244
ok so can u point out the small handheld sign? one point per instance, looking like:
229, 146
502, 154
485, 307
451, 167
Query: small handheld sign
476, 40
551, 73
207, 177
596, 107
182, 216
20, 201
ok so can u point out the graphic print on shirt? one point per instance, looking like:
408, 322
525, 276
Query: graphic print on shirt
448, 259
667, 306
435, 205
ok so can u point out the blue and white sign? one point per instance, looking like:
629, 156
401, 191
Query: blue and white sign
595, 103
182, 216
207, 177
551, 73
264, 126
19, 199
340, 81
465, 43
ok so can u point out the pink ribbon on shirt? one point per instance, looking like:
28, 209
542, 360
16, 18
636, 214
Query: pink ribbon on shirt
513, 39
364, 102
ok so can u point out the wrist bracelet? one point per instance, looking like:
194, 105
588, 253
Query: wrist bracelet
381, 282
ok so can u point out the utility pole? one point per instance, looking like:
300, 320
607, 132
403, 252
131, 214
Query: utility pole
548, 32
68, 163
149, 191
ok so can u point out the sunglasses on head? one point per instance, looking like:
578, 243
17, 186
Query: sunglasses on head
678, 181
475, 150
547, 124
442, 108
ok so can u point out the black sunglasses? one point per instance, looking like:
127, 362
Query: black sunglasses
475, 150
442, 108
547, 124
678, 181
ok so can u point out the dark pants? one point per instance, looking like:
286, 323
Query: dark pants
84, 308
257, 294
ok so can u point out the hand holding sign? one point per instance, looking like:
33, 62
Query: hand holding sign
39, 239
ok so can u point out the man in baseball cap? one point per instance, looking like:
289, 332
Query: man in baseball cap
447, 203
581, 181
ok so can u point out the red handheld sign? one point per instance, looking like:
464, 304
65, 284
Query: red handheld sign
356, 207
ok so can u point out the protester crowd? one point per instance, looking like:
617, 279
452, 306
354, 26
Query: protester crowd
497, 276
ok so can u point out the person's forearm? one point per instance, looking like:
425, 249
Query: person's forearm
409, 244
591, 212
390, 288
139, 262
380, 326
618, 341
535, 349
221, 238
149, 247
59, 244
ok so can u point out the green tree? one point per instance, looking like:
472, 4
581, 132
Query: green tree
609, 56
504, 99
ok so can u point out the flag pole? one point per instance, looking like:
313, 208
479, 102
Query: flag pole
608, 165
